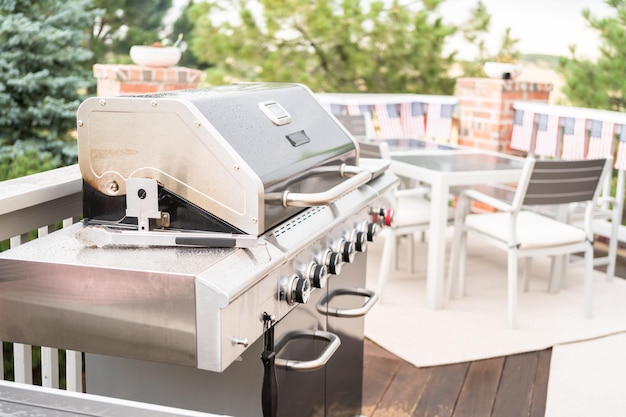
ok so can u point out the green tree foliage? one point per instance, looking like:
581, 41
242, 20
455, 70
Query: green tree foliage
42, 75
475, 31
600, 84
124, 23
185, 25
329, 45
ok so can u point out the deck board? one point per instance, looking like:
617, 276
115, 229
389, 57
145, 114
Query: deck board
442, 390
404, 392
514, 394
502, 386
540, 389
480, 387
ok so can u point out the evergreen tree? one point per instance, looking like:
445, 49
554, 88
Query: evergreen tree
42, 74
600, 84
329, 45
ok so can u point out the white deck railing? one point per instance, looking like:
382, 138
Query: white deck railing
31, 207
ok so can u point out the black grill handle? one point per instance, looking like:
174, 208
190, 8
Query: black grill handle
269, 394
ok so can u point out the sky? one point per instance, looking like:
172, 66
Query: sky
542, 26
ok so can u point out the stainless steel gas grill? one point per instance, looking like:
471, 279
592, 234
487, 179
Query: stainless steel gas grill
221, 262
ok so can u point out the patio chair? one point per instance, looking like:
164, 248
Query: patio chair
524, 233
546, 141
411, 216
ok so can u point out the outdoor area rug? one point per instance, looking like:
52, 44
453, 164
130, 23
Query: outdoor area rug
588, 378
475, 327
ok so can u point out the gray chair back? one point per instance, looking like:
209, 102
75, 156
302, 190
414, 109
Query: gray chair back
562, 182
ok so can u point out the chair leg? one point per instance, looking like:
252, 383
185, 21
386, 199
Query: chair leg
411, 254
389, 249
512, 288
610, 269
462, 263
588, 280
528, 264
455, 259
558, 278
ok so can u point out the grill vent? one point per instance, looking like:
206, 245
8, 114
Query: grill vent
285, 227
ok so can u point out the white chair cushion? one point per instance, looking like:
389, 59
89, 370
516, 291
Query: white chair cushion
533, 230
414, 209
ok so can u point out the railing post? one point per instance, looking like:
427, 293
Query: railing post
23, 363
50, 367
74, 371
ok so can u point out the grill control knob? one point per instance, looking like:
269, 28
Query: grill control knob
296, 290
360, 241
370, 229
317, 274
346, 249
332, 260
358, 237
334, 263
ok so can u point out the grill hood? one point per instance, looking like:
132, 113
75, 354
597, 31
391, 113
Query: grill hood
224, 158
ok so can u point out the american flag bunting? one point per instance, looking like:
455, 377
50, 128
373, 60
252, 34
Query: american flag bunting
336, 109
439, 120
547, 135
412, 119
522, 135
353, 109
620, 159
601, 138
364, 110
574, 132
389, 125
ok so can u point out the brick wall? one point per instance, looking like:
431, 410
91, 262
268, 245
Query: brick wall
115, 80
486, 109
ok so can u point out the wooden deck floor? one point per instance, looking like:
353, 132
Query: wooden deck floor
499, 387
508, 386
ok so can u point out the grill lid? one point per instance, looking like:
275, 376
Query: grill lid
220, 156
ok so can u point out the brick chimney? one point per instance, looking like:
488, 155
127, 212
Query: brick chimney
116, 80
486, 109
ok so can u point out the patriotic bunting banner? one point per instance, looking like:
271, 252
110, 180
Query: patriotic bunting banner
620, 159
365, 109
547, 135
412, 119
522, 135
439, 120
354, 109
601, 138
574, 139
336, 109
389, 125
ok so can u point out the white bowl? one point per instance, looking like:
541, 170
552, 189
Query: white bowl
502, 70
155, 56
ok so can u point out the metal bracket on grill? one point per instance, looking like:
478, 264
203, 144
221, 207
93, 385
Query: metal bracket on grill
142, 201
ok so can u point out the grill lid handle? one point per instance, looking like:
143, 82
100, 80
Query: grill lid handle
356, 177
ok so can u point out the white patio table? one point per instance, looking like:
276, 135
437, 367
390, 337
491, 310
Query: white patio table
442, 169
